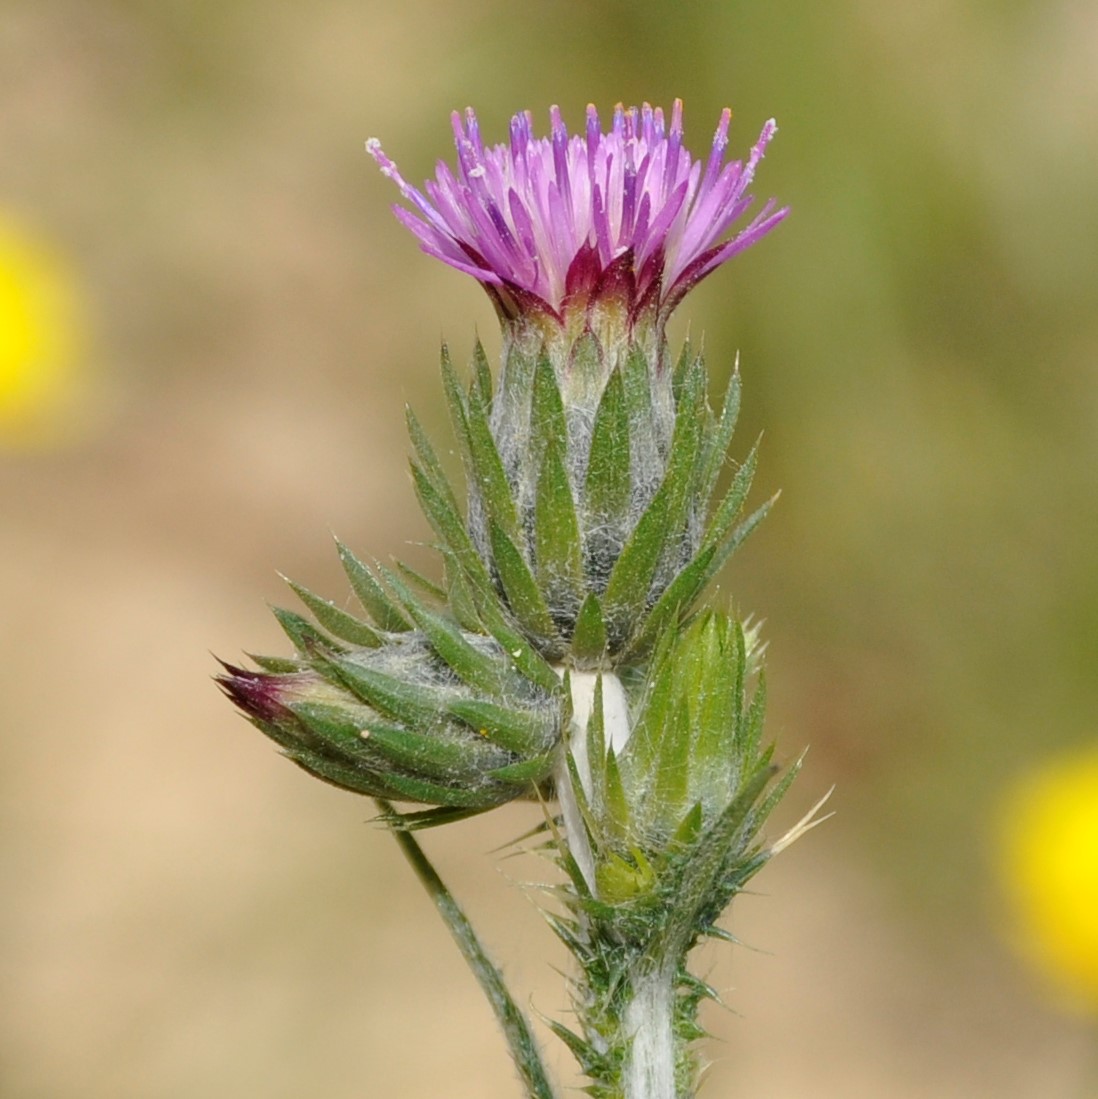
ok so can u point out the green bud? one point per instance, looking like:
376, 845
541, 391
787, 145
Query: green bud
407, 705
672, 815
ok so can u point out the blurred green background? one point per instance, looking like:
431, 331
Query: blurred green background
185, 914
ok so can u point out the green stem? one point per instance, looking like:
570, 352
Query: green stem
524, 1048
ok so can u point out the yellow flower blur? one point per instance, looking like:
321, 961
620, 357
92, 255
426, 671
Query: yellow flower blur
41, 342
1050, 869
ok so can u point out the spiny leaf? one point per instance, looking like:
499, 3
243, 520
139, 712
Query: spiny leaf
589, 635
547, 420
518, 730
732, 503
340, 774
406, 788
523, 594
428, 587
481, 670
307, 639
453, 761
631, 576
482, 374
486, 473
524, 771
608, 484
428, 459
371, 594
557, 545
448, 525
277, 665
412, 704
336, 621
720, 438
525, 657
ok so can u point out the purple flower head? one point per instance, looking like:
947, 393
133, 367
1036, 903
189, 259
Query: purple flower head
555, 223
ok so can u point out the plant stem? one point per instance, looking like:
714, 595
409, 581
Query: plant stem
524, 1050
647, 1022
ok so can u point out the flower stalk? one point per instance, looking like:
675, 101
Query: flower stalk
563, 655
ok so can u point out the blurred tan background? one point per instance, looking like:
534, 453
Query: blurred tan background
184, 913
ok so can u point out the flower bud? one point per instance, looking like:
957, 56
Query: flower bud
421, 711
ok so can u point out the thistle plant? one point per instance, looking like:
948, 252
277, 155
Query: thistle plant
562, 655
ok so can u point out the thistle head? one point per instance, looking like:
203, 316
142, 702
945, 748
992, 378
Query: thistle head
591, 229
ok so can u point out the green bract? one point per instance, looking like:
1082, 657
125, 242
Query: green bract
592, 476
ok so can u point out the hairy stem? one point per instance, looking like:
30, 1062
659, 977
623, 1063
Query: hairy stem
647, 1021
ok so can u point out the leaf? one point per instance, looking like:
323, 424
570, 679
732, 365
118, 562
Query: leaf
307, 639
485, 467
448, 525
482, 375
481, 670
431, 757
523, 594
428, 459
718, 440
336, 621
547, 420
411, 704
608, 486
557, 546
371, 594
589, 635
521, 731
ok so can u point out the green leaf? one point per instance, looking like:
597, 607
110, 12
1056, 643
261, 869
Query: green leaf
719, 439
524, 771
486, 473
752, 725
547, 420
518, 730
448, 525
631, 577
481, 670
676, 600
482, 375
667, 799
336, 621
407, 788
428, 460
589, 636
370, 593
524, 656
277, 665
596, 748
608, 486
732, 503
557, 546
637, 388
332, 724
682, 468
523, 594
460, 598
340, 774
417, 579
411, 704
682, 364
307, 639
431, 757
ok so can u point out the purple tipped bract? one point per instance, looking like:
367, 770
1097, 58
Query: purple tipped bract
547, 222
